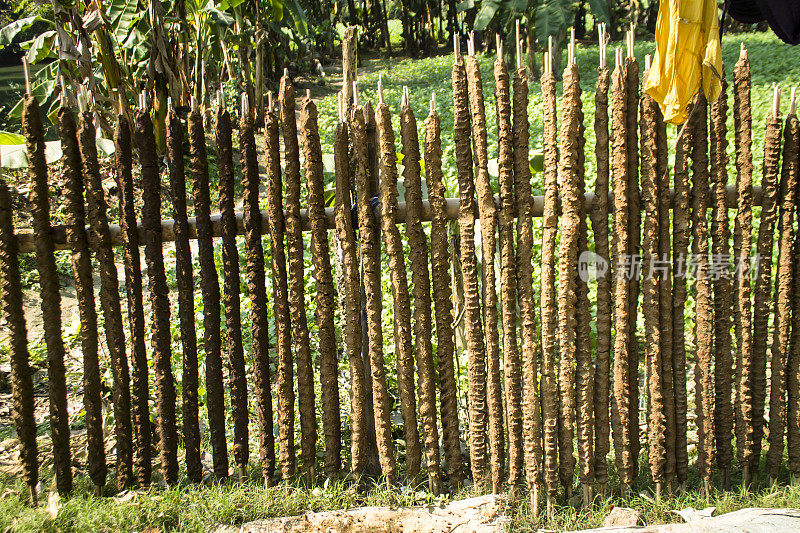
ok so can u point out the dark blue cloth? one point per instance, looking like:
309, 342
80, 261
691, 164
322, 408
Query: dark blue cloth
374, 202
783, 16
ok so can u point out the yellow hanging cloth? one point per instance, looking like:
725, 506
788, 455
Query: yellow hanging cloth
688, 54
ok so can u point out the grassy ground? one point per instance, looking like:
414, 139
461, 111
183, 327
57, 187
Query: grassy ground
187, 507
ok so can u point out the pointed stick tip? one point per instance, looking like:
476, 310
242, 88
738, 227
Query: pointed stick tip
245, 104
27, 73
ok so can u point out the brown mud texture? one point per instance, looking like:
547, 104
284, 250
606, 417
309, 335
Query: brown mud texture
680, 247
21, 376
109, 298
476, 364
51, 298
140, 386
256, 288
487, 211
442, 303
372, 460
371, 136
781, 340
280, 299
394, 251
420, 279
571, 210
75, 221
549, 309
634, 204
294, 242
508, 277
184, 278
159, 298
743, 230
328, 366
584, 371
762, 298
599, 219
621, 399
704, 303
237, 379
723, 288
656, 427
788, 198
372, 292
209, 288
531, 412
665, 295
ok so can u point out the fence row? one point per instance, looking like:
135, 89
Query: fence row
547, 397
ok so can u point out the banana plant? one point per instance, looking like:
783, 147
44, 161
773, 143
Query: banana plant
116, 47
548, 18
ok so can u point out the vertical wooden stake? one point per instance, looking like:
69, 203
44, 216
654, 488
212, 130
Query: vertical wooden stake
27, 75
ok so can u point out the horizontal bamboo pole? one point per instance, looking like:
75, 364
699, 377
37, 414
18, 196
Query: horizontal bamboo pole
25, 239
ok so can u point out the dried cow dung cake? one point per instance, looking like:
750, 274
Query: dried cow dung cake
442, 303
599, 219
209, 288
420, 279
723, 288
296, 283
549, 308
21, 376
742, 238
393, 244
371, 268
109, 297
184, 278
256, 287
280, 299
328, 365
704, 306
487, 212
476, 347
508, 278
531, 407
680, 247
84, 290
159, 298
237, 380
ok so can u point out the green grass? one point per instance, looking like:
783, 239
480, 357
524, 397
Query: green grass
188, 507
185, 507
569, 518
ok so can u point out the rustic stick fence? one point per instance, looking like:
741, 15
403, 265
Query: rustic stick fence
547, 407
